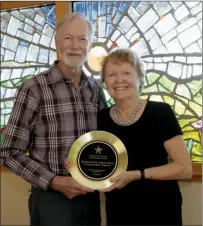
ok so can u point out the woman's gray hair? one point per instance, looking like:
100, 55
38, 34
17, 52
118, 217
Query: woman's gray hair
125, 56
69, 18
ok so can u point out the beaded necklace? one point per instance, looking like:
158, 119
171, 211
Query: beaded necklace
122, 123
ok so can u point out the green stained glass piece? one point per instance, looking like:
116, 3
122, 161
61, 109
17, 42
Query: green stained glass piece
144, 97
189, 145
7, 118
196, 149
169, 85
6, 111
179, 108
106, 95
197, 159
156, 98
183, 90
183, 99
191, 135
162, 89
198, 98
195, 86
110, 102
9, 104
168, 100
2, 120
7, 84
189, 128
152, 77
27, 77
13, 64
19, 83
187, 112
15, 81
186, 122
197, 108
150, 89
23, 80
2, 104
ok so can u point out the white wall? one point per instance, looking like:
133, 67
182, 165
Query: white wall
14, 196
192, 202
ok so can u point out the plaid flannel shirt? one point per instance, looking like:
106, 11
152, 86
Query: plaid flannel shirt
49, 114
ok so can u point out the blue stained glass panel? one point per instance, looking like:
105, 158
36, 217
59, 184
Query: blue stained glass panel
102, 26
94, 23
102, 8
80, 8
94, 10
117, 17
109, 18
114, 11
109, 29
24, 43
124, 6
110, 8
117, 4
160, 61
134, 4
89, 10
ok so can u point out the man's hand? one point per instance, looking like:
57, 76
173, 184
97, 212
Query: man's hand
68, 186
67, 164
122, 180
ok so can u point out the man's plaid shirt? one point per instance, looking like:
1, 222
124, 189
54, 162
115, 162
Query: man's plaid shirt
49, 114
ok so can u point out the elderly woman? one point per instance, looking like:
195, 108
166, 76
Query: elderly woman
148, 192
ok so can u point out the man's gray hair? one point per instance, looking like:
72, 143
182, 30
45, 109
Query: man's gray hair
72, 16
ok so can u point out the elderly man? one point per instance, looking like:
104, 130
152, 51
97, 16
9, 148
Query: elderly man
51, 111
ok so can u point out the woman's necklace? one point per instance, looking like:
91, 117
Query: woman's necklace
122, 123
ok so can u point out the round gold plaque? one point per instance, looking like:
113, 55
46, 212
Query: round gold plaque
95, 157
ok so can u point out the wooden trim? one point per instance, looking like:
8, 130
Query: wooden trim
61, 10
4, 169
6, 5
197, 172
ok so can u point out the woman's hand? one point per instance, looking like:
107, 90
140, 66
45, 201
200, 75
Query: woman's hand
122, 180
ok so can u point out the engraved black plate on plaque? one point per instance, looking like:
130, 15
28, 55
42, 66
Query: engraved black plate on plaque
97, 160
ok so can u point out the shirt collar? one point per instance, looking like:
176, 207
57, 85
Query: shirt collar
58, 76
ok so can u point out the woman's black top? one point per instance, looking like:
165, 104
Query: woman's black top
143, 201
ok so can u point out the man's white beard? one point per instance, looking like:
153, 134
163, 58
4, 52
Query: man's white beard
70, 63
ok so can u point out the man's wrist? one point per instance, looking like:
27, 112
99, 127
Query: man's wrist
53, 182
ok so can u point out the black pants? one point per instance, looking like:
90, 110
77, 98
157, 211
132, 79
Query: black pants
52, 208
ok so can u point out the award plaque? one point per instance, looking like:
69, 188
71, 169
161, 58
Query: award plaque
95, 157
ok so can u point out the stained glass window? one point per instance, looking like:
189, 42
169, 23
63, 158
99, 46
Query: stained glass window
168, 38
27, 48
